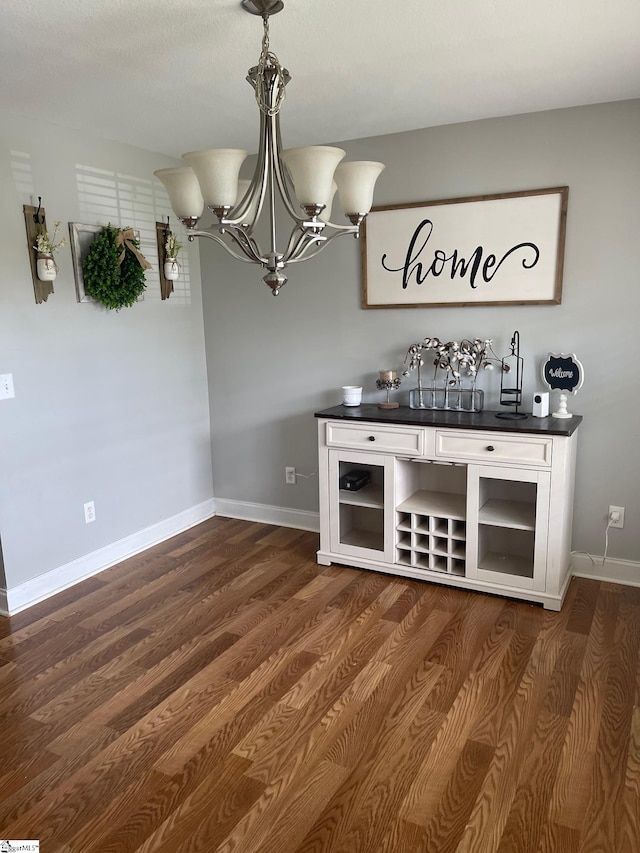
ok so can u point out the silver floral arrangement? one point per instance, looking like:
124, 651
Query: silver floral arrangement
460, 360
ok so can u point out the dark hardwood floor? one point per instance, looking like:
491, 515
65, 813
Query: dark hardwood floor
223, 692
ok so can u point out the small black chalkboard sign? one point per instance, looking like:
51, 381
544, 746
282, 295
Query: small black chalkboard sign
562, 372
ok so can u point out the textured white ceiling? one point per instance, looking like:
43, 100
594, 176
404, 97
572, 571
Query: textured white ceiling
168, 75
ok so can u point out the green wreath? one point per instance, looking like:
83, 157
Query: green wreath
114, 269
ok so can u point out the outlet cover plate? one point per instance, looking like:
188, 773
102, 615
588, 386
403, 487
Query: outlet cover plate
6, 386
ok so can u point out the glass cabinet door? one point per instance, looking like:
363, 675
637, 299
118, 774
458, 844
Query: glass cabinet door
360, 486
508, 515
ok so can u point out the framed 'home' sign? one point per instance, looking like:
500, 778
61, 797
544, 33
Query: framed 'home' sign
503, 249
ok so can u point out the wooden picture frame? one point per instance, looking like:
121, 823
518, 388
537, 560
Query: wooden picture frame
504, 249
80, 239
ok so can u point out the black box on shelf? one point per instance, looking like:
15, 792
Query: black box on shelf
354, 480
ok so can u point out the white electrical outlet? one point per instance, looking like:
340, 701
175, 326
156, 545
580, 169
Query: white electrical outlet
89, 512
290, 476
6, 386
616, 516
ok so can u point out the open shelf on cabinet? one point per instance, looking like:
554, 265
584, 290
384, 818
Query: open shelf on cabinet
362, 527
503, 513
360, 538
371, 496
425, 502
508, 551
506, 564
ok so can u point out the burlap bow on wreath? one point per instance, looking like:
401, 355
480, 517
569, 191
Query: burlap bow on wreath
125, 239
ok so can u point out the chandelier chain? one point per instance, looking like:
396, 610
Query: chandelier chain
268, 67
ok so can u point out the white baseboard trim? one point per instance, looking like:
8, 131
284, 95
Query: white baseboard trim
19, 598
614, 571
297, 518
14, 600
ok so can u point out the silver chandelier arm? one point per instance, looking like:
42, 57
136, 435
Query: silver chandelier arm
286, 190
299, 240
344, 229
306, 255
247, 258
242, 236
255, 195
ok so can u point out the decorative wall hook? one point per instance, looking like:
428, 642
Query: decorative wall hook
37, 218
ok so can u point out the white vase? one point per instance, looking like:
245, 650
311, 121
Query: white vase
46, 268
171, 269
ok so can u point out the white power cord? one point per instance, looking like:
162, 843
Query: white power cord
614, 516
606, 536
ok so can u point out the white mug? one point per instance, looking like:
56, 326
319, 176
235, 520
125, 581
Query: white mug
351, 395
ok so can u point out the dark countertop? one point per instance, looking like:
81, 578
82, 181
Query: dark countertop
453, 420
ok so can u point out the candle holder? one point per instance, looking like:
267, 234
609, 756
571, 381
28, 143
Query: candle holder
511, 382
388, 380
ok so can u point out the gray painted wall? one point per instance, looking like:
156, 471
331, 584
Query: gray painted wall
273, 361
110, 407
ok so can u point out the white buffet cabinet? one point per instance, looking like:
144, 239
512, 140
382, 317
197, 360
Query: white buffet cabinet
461, 499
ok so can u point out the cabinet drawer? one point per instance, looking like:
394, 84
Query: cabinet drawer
376, 438
491, 448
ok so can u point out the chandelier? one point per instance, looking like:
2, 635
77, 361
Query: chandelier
305, 179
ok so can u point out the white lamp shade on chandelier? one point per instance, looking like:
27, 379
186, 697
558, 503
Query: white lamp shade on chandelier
356, 182
184, 191
217, 171
326, 213
312, 169
305, 178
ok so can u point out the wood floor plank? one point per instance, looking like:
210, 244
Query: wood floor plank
371, 796
444, 830
433, 777
204, 767
31, 694
606, 801
489, 816
186, 747
224, 692
309, 735
201, 821
573, 782
280, 816
531, 803
40, 788
501, 692
559, 839
630, 818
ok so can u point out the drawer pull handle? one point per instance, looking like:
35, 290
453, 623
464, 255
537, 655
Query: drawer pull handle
372, 438
490, 447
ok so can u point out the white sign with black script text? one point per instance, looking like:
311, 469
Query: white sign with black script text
503, 249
